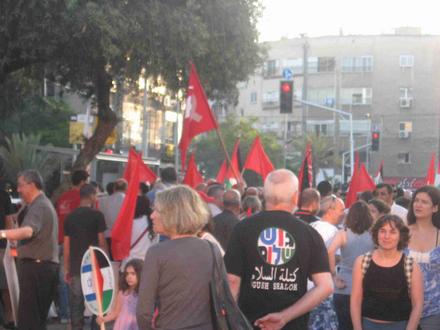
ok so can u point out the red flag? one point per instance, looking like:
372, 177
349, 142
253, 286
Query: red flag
198, 115
146, 174
233, 171
430, 175
305, 175
360, 181
127, 170
222, 172
121, 232
98, 280
257, 159
192, 175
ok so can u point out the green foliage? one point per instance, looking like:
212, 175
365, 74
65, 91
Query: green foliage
210, 155
20, 153
322, 152
89, 44
32, 113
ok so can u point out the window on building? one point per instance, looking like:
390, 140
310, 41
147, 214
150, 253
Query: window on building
367, 63
356, 96
271, 68
271, 98
357, 64
253, 97
294, 128
321, 95
406, 97
312, 64
405, 129
406, 61
326, 64
403, 158
321, 129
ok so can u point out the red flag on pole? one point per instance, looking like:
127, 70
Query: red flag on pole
360, 181
192, 175
226, 172
430, 175
146, 173
257, 159
121, 232
305, 175
198, 115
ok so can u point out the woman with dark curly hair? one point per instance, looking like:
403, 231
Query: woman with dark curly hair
378, 208
353, 240
424, 247
387, 287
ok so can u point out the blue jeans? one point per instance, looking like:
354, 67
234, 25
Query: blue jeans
63, 290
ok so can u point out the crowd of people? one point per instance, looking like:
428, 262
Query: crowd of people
292, 260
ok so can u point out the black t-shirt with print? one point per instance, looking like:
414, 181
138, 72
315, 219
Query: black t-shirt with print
274, 253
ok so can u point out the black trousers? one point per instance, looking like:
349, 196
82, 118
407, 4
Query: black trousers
38, 281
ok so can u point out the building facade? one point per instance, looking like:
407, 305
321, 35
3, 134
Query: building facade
388, 82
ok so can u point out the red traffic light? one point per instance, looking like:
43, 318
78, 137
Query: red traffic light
375, 135
286, 88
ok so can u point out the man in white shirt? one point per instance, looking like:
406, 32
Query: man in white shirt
111, 205
332, 212
384, 192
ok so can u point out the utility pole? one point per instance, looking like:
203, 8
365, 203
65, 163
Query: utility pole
305, 81
343, 113
145, 119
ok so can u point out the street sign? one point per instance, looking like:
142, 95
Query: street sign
97, 281
287, 74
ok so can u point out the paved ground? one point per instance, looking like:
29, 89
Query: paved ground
54, 324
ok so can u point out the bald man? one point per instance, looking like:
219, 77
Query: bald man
270, 257
225, 222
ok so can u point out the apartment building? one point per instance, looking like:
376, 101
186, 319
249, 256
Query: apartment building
390, 84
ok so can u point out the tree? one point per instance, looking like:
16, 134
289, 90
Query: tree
322, 153
95, 43
210, 155
21, 153
32, 113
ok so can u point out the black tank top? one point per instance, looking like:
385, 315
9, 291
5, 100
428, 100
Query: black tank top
385, 295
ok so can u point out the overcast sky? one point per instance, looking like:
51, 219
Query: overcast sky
289, 18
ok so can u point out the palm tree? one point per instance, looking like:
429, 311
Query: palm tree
20, 152
322, 152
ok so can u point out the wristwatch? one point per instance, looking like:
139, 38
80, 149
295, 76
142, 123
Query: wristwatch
3, 234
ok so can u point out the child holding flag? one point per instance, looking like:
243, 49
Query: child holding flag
124, 311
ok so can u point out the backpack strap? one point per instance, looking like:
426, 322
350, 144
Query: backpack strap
408, 268
366, 262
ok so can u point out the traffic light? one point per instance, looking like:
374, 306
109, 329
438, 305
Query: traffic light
286, 96
375, 137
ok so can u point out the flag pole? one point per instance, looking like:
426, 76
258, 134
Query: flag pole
228, 159
96, 287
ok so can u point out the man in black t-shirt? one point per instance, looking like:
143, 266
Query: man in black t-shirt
270, 257
83, 227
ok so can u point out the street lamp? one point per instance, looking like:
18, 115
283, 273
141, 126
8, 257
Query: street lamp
343, 113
